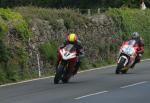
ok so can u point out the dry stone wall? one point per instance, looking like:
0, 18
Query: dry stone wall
96, 36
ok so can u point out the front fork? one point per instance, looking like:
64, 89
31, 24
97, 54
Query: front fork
126, 60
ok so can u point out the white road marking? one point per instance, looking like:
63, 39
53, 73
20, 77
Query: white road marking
9, 84
134, 84
90, 95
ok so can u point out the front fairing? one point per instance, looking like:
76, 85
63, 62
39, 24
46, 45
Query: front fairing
128, 50
68, 53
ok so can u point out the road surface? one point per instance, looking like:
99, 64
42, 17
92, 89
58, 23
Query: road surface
95, 86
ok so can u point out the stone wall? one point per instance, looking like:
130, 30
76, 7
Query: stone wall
96, 36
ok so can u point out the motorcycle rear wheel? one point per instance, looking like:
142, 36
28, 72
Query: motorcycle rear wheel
66, 77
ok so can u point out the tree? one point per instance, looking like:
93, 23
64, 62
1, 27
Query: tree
73, 3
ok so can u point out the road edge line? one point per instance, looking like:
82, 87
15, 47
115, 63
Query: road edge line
36, 79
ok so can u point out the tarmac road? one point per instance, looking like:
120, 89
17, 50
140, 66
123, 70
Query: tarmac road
95, 86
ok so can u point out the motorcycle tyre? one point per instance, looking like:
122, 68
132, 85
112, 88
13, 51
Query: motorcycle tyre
66, 77
58, 74
119, 66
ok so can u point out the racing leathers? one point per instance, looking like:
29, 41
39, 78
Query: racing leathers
80, 53
140, 44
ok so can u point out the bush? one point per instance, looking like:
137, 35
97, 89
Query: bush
52, 15
16, 20
3, 28
14, 53
72, 3
2, 75
48, 52
4, 52
131, 20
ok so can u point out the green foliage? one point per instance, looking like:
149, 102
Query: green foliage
4, 52
2, 75
9, 73
147, 51
13, 72
22, 29
52, 15
3, 28
22, 55
12, 56
85, 64
72, 3
48, 52
7, 16
16, 20
131, 20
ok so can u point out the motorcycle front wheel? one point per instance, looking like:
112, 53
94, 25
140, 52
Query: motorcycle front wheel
58, 75
120, 66
124, 71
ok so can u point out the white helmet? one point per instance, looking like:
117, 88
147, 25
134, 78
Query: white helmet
135, 35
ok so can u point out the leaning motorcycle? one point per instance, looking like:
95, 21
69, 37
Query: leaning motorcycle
126, 57
67, 62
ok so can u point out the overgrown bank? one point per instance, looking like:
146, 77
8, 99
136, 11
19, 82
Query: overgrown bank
130, 20
100, 36
14, 35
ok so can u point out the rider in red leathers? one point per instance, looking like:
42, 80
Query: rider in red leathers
72, 39
139, 42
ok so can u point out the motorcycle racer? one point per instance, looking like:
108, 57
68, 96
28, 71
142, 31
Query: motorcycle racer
140, 44
72, 39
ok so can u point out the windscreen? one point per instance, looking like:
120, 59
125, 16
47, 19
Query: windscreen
70, 47
131, 42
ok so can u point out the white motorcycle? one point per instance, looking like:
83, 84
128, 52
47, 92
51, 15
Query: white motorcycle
127, 56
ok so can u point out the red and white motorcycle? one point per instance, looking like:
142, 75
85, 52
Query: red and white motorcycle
127, 55
67, 61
